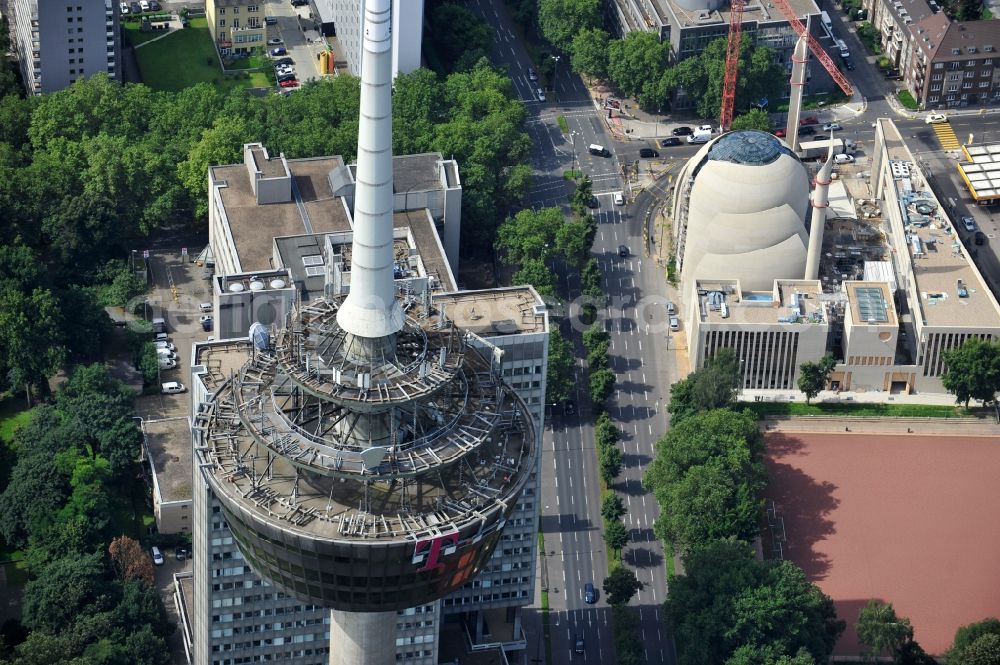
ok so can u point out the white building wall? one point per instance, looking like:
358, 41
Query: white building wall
407, 32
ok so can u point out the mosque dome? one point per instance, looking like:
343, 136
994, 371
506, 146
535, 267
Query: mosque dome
747, 211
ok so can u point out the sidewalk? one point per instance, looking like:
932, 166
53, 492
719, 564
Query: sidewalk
868, 397
873, 425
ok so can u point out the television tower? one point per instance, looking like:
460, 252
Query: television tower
366, 459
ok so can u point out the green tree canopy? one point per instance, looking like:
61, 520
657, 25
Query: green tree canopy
638, 65
616, 535
620, 586
612, 506
881, 630
707, 475
610, 460
714, 386
753, 119
602, 383
813, 376
562, 20
969, 634
460, 36
590, 52
972, 371
559, 377
727, 604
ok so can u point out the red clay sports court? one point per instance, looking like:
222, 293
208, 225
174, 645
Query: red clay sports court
911, 520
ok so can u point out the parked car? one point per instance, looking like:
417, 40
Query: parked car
806, 131
205, 307
157, 556
969, 224
832, 127
283, 61
705, 128
279, 51
623, 250
619, 199
300, 3
935, 118
270, 20
849, 64
541, 95
275, 41
289, 83
180, 553
172, 388
124, 7
286, 77
589, 593
206, 322
648, 153
683, 130
980, 238
593, 202
144, 5
671, 308
165, 345
135, 8
283, 69
675, 323
168, 363
532, 74
809, 120
154, 6
780, 133
843, 159
669, 142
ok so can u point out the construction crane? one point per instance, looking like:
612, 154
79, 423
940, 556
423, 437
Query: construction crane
733, 56
732, 64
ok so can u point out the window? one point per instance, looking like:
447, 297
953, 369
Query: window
988, 61
970, 63
956, 51
953, 87
970, 49
937, 77
984, 84
222, 11
966, 85
222, 23
253, 8
936, 87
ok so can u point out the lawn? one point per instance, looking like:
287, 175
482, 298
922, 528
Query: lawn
12, 414
135, 37
907, 100
186, 57
854, 409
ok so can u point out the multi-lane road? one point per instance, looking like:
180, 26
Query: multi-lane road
635, 316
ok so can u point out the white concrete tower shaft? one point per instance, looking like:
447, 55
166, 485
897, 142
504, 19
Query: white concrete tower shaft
798, 83
820, 203
370, 310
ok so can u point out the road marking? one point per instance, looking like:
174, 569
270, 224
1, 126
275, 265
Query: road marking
650, 430
640, 344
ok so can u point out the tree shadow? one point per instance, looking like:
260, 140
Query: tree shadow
642, 557
630, 460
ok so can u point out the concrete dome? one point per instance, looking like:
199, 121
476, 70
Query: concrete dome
747, 212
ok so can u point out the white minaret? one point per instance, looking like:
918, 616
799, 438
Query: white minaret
820, 202
798, 82
371, 314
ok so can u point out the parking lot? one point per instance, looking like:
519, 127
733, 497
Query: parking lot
302, 46
178, 290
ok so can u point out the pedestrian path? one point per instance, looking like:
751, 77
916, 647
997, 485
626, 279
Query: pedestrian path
946, 135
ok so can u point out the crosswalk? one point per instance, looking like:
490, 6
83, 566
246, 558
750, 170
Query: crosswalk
946, 136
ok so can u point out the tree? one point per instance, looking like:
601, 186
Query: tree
616, 535
602, 382
972, 371
881, 630
580, 199
562, 20
707, 475
727, 602
620, 585
753, 119
590, 52
985, 650
612, 506
610, 459
62, 590
530, 234
637, 65
605, 432
130, 561
597, 356
31, 337
595, 335
813, 376
573, 241
714, 386
559, 377
144, 647
142, 604
460, 37
966, 635
537, 274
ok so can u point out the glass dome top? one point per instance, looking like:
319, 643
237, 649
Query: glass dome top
748, 146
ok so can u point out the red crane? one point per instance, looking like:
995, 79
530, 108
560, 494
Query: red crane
733, 56
732, 64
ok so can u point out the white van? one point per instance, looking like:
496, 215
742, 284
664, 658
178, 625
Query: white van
172, 388
842, 47
596, 149
700, 137
166, 353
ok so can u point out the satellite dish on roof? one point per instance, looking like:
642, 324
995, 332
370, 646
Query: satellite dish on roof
372, 457
235, 287
277, 283
256, 285
259, 336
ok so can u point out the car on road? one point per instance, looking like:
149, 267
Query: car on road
705, 128
980, 238
270, 20
683, 130
569, 407
589, 593
275, 41
300, 3
669, 142
848, 64
843, 159
172, 388
969, 224
806, 131
532, 74
619, 199
579, 645
809, 120
593, 202
648, 153
935, 118
832, 127
157, 556
541, 94
622, 250
279, 51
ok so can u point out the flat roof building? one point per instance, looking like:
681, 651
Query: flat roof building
167, 448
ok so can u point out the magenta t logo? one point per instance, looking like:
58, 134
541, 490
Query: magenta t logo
433, 549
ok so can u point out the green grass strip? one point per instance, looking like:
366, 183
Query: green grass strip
855, 409
563, 125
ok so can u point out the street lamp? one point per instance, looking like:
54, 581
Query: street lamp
554, 70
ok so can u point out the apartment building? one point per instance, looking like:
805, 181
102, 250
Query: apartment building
690, 25
60, 41
237, 26
953, 64
342, 19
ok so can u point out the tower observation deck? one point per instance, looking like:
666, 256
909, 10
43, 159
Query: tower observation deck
367, 455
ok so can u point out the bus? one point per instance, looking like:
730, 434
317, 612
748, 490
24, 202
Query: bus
827, 24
